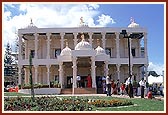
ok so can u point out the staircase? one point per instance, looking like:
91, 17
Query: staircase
79, 91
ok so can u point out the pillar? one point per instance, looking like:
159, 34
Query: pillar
75, 39
93, 67
146, 72
26, 50
90, 38
103, 40
60, 73
74, 74
62, 40
48, 74
117, 45
20, 47
36, 45
36, 73
118, 71
48, 45
106, 68
19, 77
145, 45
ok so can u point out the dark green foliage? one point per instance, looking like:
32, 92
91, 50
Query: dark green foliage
59, 103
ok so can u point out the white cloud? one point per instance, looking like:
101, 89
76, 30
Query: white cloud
104, 20
50, 15
156, 67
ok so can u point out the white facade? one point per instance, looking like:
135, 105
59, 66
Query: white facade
103, 51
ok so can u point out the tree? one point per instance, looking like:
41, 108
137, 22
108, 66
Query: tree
8, 55
10, 68
153, 73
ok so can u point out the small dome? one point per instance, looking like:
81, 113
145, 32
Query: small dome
83, 45
66, 51
100, 51
133, 25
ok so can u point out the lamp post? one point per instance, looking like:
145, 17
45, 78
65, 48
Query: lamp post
132, 36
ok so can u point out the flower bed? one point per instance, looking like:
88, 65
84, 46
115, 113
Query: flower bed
58, 104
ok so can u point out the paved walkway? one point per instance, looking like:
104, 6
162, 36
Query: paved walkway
103, 95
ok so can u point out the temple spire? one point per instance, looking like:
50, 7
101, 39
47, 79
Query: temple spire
132, 20
98, 42
82, 37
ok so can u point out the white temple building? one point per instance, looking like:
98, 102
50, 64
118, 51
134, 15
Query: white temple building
60, 54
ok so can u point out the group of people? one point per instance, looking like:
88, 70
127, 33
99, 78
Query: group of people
87, 82
128, 87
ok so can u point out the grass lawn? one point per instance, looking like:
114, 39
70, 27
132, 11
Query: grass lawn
139, 104
15, 94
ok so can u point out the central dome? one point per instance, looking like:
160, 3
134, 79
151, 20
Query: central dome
83, 45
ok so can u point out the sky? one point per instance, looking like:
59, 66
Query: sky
45, 15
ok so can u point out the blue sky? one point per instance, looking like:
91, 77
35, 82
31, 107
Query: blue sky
150, 16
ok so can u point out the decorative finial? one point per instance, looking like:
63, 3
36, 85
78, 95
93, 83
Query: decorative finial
31, 22
98, 42
66, 43
132, 20
81, 19
82, 37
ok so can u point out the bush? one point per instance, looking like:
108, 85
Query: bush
58, 103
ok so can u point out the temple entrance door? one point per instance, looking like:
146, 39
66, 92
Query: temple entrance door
69, 81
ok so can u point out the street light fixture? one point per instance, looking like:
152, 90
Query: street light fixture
132, 36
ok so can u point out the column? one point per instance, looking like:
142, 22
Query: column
93, 68
36, 73
60, 73
74, 74
118, 71
75, 39
19, 77
131, 57
117, 45
20, 47
62, 40
106, 68
48, 45
103, 40
90, 38
146, 72
145, 45
36, 45
48, 74
26, 53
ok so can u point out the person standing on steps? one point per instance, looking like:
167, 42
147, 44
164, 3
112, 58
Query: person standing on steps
108, 86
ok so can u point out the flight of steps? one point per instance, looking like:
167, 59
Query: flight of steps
79, 91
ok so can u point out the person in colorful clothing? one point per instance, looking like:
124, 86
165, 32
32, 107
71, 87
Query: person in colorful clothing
89, 81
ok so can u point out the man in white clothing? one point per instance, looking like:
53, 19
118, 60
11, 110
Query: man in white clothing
78, 79
142, 85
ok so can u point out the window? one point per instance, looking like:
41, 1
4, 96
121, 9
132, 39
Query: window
32, 53
108, 51
57, 52
133, 52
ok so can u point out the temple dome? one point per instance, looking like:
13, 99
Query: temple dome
66, 51
100, 50
133, 25
83, 45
